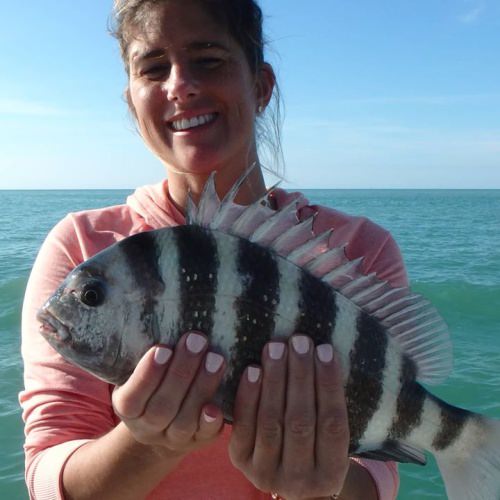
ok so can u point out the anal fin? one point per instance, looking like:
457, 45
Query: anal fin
395, 451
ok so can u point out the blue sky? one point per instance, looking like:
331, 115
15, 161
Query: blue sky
378, 94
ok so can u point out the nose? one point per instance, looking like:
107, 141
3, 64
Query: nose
181, 84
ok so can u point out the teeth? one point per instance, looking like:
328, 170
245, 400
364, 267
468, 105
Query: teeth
193, 122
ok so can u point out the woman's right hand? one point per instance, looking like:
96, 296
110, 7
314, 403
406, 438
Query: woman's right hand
166, 401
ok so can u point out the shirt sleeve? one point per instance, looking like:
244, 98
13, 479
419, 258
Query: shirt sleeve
384, 475
63, 406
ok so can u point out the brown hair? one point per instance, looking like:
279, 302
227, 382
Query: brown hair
243, 20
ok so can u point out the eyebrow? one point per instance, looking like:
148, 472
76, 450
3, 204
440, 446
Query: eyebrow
206, 46
193, 46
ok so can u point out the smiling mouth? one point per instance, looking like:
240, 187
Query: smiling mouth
190, 123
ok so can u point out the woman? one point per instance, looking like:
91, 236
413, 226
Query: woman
197, 84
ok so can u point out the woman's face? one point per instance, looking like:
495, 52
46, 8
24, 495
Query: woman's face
192, 91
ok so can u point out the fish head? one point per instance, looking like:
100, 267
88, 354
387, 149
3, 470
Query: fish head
91, 319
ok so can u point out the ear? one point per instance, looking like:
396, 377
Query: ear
266, 80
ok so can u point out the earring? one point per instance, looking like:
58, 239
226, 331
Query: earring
260, 109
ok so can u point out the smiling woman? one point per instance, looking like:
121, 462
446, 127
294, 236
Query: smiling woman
192, 68
198, 86
198, 81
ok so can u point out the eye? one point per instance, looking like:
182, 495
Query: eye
156, 71
209, 62
92, 294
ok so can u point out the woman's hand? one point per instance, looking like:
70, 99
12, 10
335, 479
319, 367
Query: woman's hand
166, 401
290, 433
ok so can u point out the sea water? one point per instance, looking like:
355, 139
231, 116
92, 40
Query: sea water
450, 241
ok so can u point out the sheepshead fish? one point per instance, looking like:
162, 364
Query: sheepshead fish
244, 275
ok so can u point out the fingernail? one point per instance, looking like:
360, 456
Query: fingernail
195, 343
162, 355
325, 353
208, 418
276, 350
253, 374
300, 344
213, 362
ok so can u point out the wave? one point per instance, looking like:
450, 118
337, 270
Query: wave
13, 286
11, 299
478, 302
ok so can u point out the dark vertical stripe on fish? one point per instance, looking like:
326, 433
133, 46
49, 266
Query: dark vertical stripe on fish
453, 420
410, 404
198, 268
364, 387
255, 309
141, 253
317, 309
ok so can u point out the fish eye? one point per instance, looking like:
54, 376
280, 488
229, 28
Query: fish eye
92, 294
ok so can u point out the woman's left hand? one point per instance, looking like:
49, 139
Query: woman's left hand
290, 431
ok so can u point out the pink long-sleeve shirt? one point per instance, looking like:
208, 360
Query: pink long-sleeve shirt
64, 407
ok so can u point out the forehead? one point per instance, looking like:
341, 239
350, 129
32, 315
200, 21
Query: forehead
176, 24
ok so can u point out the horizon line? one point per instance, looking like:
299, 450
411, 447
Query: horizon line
287, 189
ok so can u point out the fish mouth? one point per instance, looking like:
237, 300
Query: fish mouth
65, 341
52, 328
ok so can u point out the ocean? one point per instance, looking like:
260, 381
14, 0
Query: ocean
450, 240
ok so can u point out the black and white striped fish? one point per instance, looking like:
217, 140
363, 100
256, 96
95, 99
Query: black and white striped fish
244, 275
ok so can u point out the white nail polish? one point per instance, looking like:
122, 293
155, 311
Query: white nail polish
300, 344
195, 343
213, 362
253, 374
325, 353
162, 355
276, 350
208, 418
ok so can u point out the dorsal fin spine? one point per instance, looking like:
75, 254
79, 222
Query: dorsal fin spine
331, 259
264, 233
286, 242
310, 250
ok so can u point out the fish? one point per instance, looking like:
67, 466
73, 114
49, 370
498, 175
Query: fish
244, 275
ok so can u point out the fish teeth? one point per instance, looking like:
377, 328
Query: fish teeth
196, 121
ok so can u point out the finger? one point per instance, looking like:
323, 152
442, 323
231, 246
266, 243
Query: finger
270, 417
201, 391
130, 399
166, 401
210, 423
332, 441
246, 404
300, 415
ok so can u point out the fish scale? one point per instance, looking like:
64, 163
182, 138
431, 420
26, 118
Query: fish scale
243, 276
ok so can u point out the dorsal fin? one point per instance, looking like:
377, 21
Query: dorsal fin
344, 274
251, 218
327, 261
275, 225
293, 237
209, 202
310, 250
191, 210
408, 318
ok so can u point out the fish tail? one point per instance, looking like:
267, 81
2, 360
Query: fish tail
470, 466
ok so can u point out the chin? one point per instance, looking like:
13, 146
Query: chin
196, 164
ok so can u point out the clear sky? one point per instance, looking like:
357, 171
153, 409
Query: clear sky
378, 94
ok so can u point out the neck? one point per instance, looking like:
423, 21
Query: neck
180, 184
